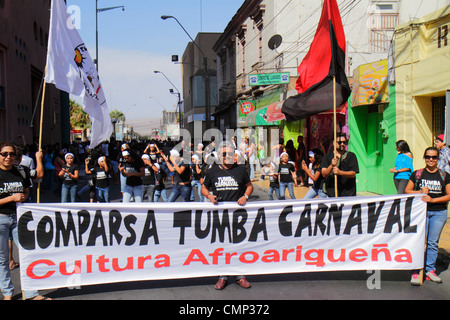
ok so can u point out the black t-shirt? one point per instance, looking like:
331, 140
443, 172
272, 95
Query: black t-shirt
229, 185
185, 176
195, 175
12, 181
67, 180
101, 177
273, 179
435, 182
134, 167
346, 186
149, 177
318, 184
285, 171
154, 157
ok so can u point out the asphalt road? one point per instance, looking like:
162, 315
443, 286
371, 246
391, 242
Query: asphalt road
360, 285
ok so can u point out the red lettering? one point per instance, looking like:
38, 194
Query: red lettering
358, 255
242, 257
271, 256
129, 266
141, 261
164, 263
30, 271
200, 257
331, 256
76, 269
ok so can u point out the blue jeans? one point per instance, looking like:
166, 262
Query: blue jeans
313, 192
196, 183
435, 223
283, 186
252, 161
180, 190
130, 191
68, 190
277, 192
160, 193
103, 194
148, 189
8, 224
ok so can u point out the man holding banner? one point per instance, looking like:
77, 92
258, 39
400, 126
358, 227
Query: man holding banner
344, 165
228, 181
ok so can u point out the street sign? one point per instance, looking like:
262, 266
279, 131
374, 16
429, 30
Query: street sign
265, 79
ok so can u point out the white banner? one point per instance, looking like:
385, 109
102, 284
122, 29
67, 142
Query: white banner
69, 245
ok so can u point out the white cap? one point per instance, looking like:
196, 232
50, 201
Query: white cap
145, 156
195, 157
68, 154
125, 153
174, 153
100, 159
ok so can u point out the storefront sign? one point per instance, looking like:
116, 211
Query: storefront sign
77, 244
371, 84
265, 79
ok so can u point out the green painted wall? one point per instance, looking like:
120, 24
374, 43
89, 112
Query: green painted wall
376, 153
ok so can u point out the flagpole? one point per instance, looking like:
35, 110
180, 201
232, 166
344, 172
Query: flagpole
335, 133
38, 198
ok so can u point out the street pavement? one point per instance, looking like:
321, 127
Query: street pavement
344, 285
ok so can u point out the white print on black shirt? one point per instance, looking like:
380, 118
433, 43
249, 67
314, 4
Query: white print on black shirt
12, 187
226, 183
433, 185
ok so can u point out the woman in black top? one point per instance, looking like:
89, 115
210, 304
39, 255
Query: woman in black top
315, 174
14, 188
101, 172
133, 170
69, 175
435, 185
181, 179
287, 176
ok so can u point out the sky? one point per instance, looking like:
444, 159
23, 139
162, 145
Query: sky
136, 42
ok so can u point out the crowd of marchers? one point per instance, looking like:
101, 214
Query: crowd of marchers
216, 171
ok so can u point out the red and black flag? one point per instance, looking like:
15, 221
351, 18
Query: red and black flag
325, 60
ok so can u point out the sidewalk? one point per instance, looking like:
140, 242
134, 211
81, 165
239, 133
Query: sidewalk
300, 191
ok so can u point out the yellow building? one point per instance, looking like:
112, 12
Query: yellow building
422, 79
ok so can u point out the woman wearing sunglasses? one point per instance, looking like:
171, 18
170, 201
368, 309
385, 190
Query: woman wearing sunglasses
14, 188
435, 185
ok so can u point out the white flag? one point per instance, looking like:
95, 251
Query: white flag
71, 69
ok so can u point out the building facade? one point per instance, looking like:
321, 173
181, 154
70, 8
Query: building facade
400, 98
24, 29
267, 37
195, 109
422, 65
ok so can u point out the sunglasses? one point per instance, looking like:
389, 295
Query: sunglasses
6, 154
342, 142
427, 157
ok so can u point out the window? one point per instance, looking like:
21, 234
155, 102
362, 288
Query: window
438, 105
241, 48
2, 80
383, 19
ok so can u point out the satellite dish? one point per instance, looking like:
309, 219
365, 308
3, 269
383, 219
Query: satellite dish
275, 42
